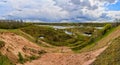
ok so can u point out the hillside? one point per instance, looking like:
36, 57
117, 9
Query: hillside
15, 44
111, 56
84, 58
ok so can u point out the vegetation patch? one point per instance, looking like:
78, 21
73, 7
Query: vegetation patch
96, 35
49, 35
4, 60
11, 24
21, 58
2, 44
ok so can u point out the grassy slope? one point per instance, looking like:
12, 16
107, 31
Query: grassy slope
96, 44
111, 56
52, 36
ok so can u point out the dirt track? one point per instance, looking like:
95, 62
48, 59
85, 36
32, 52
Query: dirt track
67, 59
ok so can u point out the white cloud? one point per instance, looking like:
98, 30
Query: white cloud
60, 10
38, 8
114, 14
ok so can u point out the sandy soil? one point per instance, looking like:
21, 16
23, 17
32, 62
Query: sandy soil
15, 44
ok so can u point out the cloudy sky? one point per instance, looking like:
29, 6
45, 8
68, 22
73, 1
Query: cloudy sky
60, 10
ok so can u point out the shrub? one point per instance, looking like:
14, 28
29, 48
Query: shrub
106, 28
33, 57
42, 52
21, 59
2, 44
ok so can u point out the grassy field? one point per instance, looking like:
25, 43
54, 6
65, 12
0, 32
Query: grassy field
111, 56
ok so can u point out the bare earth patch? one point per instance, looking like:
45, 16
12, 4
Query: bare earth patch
15, 44
67, 58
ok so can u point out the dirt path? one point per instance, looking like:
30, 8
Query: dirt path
67, 59
85, 58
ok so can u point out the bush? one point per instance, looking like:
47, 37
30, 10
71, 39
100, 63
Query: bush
42, 52
33, 57
106, 28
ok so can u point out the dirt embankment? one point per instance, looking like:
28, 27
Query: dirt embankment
15, 44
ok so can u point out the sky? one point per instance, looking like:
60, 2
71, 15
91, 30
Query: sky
61, 11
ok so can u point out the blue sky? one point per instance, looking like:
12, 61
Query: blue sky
114, 7
60, 10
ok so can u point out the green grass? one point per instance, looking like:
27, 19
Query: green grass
75, 44
51, 36
4, 60
93, 45
111, 56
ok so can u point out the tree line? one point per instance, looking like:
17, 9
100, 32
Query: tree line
12, 24
116, 22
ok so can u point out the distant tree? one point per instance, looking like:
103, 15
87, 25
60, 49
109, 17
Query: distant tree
117, 22
12, 24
